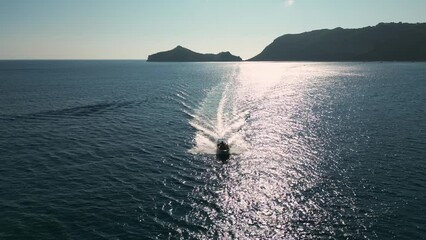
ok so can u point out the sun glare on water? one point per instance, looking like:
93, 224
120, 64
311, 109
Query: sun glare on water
267, 113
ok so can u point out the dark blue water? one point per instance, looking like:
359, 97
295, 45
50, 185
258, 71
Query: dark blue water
125, 150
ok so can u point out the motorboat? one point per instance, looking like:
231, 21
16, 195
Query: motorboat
222, 147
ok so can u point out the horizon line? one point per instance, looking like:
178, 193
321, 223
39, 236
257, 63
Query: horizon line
70, 59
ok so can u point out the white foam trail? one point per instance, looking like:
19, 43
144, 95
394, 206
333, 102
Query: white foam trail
209, 132
218, 117
203, 145
235, 127
201, 119
237, 144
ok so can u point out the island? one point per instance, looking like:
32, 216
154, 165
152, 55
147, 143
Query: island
181, 54
383, 42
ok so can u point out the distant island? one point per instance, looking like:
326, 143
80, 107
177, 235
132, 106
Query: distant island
383, 42
181, 54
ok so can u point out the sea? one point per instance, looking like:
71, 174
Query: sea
127, 150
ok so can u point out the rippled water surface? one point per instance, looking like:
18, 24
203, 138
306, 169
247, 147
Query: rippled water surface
126, 150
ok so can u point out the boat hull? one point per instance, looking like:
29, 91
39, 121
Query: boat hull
223, 152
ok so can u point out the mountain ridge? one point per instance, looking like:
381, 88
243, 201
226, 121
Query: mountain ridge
383, 42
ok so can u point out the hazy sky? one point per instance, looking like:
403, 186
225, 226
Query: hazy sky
133, 29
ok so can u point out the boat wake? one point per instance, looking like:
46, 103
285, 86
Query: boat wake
218, 116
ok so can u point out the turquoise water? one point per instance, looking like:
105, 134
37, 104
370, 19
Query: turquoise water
125, 150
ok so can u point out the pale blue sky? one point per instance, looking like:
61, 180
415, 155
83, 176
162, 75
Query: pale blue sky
133, 29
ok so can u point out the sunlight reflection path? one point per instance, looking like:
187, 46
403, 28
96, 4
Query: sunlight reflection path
279, 187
